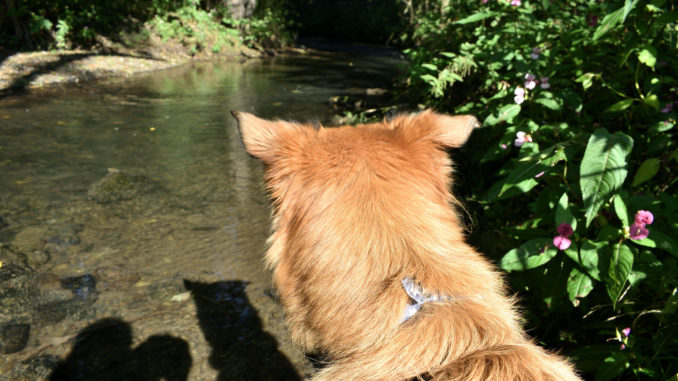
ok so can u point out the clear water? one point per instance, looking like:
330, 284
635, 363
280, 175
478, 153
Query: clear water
133, 224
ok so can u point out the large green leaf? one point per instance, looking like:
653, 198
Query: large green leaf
531, 254
579, 285
621, 262
588, 257
477, 17
563, 213
504, 114
603, 169
529, 168
646, 171
615, 18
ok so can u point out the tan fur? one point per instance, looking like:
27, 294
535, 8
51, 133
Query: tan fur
357, 209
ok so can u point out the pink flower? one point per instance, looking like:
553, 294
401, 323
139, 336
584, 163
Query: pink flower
485, 1
593, 20
644, 217
535, 53
622, 347
638, 231
545, 83
529, 81
515, 3
540, 174
565, 229
626, 331
520, 95
521, 138
562, 240
562, 243
667, 108
503, 146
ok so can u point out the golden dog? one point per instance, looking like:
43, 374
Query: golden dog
369, 258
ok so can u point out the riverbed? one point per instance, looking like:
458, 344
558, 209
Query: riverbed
133, 223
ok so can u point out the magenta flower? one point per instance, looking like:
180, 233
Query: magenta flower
515, 3
626, 331
485, 1
637, 230
540, 174
562, 240
520, 95
521, 138
667, 108
503, 146
530, 81
545, 83
535, 53
644, 217
593, 20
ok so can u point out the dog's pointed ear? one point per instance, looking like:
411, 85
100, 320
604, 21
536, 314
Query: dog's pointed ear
265, 139
445, 130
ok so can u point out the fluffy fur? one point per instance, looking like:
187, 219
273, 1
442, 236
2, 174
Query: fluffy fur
357, 209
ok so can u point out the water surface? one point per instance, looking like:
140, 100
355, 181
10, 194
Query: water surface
133, 224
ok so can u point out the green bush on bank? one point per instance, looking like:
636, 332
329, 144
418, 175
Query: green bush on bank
579, 101
42, 24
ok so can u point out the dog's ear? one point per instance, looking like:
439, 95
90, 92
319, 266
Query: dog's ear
445, 130
266, 139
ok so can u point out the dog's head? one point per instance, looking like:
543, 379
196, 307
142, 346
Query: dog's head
351, 180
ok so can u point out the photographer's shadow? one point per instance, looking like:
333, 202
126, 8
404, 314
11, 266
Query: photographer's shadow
103, 352
241, 349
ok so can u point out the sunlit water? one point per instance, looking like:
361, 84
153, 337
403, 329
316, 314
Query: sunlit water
133, 223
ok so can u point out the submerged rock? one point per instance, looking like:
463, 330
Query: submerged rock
13, 337
118, 186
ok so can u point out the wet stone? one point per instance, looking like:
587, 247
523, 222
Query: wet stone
39, 367
11, 271
82, 287
30, 239
13, 337
118, 186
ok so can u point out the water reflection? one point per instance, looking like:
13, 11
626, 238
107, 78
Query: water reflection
113, 193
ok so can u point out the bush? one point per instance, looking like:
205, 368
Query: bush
579, 103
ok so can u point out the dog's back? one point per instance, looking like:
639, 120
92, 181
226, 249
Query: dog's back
370, 260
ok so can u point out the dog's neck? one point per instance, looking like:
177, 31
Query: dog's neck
419, 297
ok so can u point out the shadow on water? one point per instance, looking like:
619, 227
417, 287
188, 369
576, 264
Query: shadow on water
241, 349
103, 351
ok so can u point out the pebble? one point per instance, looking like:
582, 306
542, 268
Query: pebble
13, 337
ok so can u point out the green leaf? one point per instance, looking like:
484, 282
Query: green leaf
671, 305
549, 103
657, 239
619, 106
588, 258
506, 113
523, 176
621, 210
621, 262
477, 17
648, 56
563, 213
613, 19
586, 80
429, 66
529, 255
612, 367
646, 171
603, 169
579, 285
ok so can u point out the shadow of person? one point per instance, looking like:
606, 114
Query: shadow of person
241, 349
103, 352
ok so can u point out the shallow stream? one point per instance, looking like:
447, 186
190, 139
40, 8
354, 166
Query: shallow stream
133, 223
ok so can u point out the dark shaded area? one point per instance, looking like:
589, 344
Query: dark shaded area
373, 21
103, 351
241, 349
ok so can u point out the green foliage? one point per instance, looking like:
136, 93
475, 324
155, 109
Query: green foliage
593, 90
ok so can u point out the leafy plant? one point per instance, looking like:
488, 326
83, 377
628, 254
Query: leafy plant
579, 102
